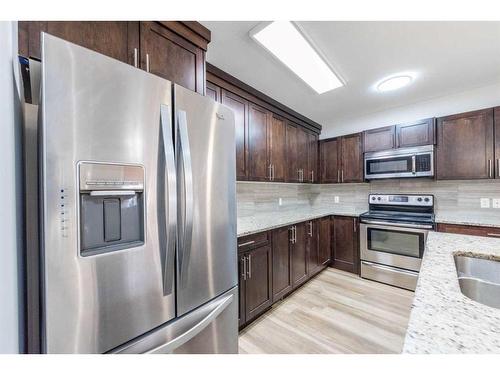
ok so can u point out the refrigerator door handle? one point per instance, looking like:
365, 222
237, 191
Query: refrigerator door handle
187, 335
171, 198
187, 196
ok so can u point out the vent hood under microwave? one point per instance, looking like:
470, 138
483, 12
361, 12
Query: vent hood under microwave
401, 163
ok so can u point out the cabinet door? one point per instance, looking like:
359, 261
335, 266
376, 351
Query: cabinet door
302, 154
277, 147
240, 109
214, 92
312, 161
172, 57
380, 139
313, 262
352, 158
116, 39
241, 289
345, 244
299, 255
465, 146
282, 282
329, 152
324, 241
497, 142
416, 133
292, 170
258, 160
258, 294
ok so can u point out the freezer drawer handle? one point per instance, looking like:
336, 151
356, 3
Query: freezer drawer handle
171, 198
186, 234
193, 331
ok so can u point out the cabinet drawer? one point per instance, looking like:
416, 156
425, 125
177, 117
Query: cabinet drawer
252, 241
472, 230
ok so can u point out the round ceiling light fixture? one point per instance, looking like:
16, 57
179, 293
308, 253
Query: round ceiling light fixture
395, 82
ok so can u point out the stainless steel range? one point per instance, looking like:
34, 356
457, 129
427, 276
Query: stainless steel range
392, 237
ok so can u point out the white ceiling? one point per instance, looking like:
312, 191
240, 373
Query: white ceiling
448, 57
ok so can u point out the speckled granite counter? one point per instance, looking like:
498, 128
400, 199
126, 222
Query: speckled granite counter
258, 223
466, 218
442, 319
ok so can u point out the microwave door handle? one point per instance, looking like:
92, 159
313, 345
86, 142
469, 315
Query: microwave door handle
171, 199
186, 193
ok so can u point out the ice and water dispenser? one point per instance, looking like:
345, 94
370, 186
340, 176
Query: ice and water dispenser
111, 198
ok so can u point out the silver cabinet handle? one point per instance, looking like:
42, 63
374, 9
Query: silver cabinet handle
312, 176
185, 189
294, 234
244, 260
136, 57
414, 164
272, 172
171, 194
249, 258
270, 168
498, 167
494, 234
246, 243
147, 62
355, 227
490, 168
291, 233
310, 228
338, 175
342, 175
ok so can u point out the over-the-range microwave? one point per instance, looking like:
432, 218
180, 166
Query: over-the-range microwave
400, 163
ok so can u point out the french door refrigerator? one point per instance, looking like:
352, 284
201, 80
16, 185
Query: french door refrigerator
137, 210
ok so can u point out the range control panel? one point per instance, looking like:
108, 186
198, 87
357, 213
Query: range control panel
401, 200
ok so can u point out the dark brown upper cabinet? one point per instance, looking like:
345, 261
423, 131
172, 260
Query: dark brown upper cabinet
312, 168
277, 148
351, 158
410, 134
465, 146
416, 133
303, 154
240, 109
258, 144
282, 267
345, 249
214, 92
292, 146
497, 142
329, 160
380, 139
341, 159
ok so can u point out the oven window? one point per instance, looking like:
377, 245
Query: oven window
396, 242
399, 164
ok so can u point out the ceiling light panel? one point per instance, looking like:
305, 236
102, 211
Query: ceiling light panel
288, 45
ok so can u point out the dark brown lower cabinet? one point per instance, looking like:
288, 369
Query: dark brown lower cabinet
299, 255
313, 263
345, 249
325, 241
282, 275
255, 282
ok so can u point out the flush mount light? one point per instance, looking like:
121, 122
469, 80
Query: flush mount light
288, 44
394, 82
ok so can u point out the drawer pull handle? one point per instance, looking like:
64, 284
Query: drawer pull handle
246, 243
494, 234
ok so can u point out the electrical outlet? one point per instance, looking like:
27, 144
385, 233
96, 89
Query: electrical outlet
485, 202
336, 199
280, 201
496, 203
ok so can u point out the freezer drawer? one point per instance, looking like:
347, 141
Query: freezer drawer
389, 275
210, 329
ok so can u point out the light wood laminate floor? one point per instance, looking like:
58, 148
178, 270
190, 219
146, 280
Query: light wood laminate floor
336, 312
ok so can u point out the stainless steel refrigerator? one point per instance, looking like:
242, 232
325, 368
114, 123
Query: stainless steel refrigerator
137, 212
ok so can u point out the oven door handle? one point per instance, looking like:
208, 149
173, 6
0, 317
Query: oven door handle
422, 226
392, 269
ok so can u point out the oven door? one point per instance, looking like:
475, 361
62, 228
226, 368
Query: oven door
393, 245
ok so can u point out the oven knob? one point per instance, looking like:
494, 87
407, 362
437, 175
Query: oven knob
426, 199
419, 199
373, 198
379, 198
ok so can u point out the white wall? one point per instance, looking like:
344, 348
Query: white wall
10, 191
482, 97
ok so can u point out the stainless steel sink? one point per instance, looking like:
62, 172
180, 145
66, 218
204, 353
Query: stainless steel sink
479, 279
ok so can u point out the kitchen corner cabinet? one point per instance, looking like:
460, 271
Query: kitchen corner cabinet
172, 50
325, 240
345, 249
255, 277
341, 159
282, 267
319, 250
299, 254
465, 146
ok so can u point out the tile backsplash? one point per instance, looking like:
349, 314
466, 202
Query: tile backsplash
451, 196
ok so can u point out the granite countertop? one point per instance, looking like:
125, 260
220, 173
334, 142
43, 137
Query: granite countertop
466, 218
261, 222
442, 319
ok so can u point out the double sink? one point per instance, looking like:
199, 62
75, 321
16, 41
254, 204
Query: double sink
479, 279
